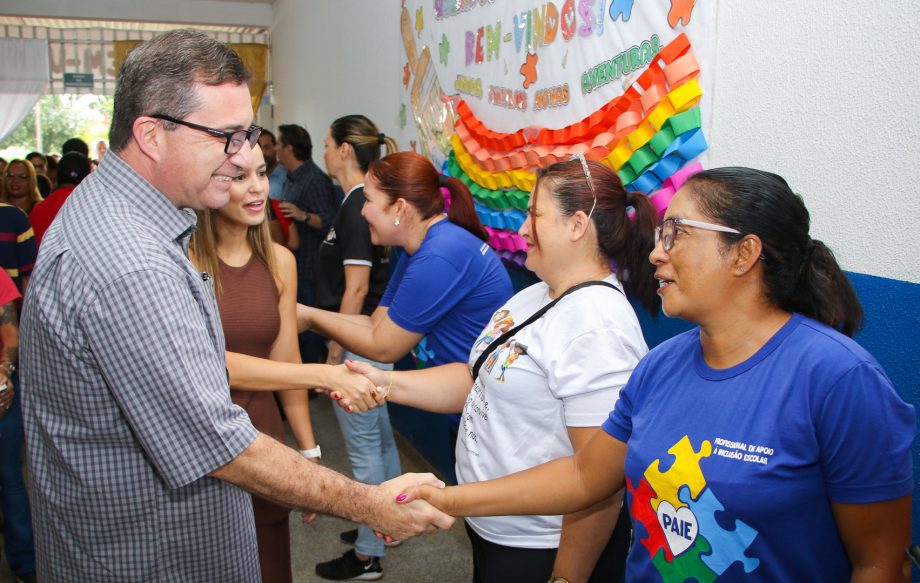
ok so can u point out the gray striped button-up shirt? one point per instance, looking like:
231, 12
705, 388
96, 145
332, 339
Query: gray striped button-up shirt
125, 398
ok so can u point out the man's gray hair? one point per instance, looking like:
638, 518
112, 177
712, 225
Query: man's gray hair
159, 76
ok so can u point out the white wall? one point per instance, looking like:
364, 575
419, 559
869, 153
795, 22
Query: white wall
822, 93
334, 58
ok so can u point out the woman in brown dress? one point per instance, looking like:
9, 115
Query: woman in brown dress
255, 284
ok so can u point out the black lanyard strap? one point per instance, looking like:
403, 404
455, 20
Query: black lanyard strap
536, 316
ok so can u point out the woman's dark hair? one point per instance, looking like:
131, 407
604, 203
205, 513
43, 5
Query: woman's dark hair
364, 138
44, 185
800, 273
412, 177
621, 239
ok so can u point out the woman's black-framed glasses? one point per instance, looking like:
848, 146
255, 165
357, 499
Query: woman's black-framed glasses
235, 139
584, 166
668, 230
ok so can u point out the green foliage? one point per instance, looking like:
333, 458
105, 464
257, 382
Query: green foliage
63, 117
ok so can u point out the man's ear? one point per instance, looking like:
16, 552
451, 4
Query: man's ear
149, 137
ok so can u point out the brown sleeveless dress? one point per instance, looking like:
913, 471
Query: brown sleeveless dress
249, 312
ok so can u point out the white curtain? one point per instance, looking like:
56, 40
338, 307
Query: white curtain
24, 74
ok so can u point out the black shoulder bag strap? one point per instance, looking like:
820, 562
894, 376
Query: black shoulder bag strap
536, 316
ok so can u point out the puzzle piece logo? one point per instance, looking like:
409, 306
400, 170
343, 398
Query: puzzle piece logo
680, 11
620, 8
679, 526
529, 70
674, 514
687, 567
684, 471
728, 546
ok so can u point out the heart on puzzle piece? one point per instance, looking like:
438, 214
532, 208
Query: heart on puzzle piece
679, 526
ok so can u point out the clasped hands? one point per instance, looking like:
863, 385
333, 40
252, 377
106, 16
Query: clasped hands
410, 515
362, 387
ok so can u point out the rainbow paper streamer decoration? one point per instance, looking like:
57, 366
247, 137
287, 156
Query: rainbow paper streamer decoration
649, 135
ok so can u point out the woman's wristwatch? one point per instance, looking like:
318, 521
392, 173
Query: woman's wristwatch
316, 452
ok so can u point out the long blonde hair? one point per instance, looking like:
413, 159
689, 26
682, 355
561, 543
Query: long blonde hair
203, 247
35, 196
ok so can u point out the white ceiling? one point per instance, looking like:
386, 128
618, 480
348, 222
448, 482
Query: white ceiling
73, 23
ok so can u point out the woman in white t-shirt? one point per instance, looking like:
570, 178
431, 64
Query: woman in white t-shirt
542, 391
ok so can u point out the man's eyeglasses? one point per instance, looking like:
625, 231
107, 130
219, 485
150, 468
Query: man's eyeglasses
584, 166
235, 139
668, 230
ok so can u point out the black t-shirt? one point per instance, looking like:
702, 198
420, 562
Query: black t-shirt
349, 242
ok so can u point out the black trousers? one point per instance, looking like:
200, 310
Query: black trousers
493, 563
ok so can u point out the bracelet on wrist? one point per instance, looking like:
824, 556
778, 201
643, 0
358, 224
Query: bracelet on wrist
315, 452
386, 397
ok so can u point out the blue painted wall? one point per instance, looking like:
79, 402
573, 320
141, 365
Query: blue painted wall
892, 334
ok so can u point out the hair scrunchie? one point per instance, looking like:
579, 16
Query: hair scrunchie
629, 198
381, 139
442, 180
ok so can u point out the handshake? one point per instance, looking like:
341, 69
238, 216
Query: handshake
404, 511
358, 386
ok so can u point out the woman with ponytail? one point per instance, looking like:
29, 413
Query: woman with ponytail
764, 445
352, 274
445, 288
531, 392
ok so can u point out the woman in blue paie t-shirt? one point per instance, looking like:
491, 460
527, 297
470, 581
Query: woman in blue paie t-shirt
765, 445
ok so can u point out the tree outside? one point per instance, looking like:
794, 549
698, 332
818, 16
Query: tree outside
61, 117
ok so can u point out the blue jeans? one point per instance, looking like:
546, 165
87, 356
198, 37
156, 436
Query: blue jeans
17, 516
372, 452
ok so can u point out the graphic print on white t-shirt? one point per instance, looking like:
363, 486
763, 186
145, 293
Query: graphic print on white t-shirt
500, 323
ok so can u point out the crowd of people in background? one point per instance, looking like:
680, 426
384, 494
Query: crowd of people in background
32, 191
164, 349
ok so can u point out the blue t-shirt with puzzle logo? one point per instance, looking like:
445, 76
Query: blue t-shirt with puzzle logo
731, 473
446, 290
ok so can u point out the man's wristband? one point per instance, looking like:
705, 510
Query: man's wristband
316, 452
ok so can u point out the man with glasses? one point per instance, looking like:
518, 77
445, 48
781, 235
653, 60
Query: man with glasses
136, 452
